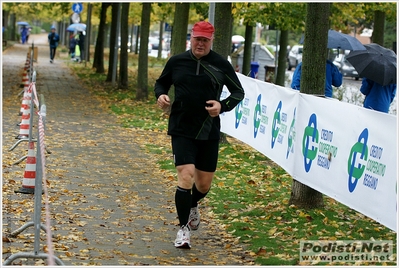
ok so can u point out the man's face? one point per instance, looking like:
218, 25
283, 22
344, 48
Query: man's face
200, 46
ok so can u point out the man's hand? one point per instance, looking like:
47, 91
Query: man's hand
213, 107
163, 101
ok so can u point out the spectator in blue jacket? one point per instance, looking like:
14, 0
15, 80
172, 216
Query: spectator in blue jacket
53, 39
333, 78
378, 97
24, 33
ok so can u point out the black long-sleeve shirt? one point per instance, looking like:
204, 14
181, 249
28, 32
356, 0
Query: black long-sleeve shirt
195, 82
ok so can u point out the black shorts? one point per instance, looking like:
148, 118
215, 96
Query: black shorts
202, 153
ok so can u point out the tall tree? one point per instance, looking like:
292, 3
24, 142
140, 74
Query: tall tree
223, 28
98, 62
142, 73
180, 24
246, 64
282, 60
284, 17
379, 27
112, 42
160, 47
123, 62
88, 34
377, 14
223, 22
312, 82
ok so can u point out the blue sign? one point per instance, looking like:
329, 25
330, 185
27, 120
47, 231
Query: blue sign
77, 7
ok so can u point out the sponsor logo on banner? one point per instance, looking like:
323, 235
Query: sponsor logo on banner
276, 123
310, 138
318, 145
242, 112
260, 118
238, 112
365, 163
291, 136
256, 115
279, 126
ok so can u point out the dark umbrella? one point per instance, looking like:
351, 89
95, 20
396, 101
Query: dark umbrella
22, 23
375, 63
341, 41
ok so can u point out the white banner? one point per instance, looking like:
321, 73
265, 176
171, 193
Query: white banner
344, 151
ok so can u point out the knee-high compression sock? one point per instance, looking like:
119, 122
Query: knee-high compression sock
183, 204
197, 195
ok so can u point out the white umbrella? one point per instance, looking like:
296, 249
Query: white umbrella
80, 27
237, 39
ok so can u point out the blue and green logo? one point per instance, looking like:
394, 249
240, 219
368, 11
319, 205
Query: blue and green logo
276, 123
257, 115
359, 150
238, 112
311, 134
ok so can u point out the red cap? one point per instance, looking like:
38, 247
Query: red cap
203, 29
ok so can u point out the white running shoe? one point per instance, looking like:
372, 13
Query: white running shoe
183, 238
194, 218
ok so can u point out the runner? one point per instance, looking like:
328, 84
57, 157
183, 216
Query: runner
198, 76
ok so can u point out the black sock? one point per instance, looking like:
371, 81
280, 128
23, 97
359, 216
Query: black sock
183, 204
197, 195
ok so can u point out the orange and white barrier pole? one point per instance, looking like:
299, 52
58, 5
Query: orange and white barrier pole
28, 182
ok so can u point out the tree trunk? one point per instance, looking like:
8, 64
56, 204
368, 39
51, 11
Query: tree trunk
223, 22
303, 196
13, 19
246, 65
312, 82
142, 75
136, 47
282, 58
379, 27
315, 49
132, 36
112, 42
160, 48
88, 34
123, 62
222, 43
179, 32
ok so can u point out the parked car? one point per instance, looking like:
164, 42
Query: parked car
344, 66
295, 56
138, 46
154, 41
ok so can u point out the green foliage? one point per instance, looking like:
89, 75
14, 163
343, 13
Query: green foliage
201, 9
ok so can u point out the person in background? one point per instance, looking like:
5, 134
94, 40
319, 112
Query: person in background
24, 32
333, 77
81, 44
377, 97
28, 33
53, 39
72, 46
198, 76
